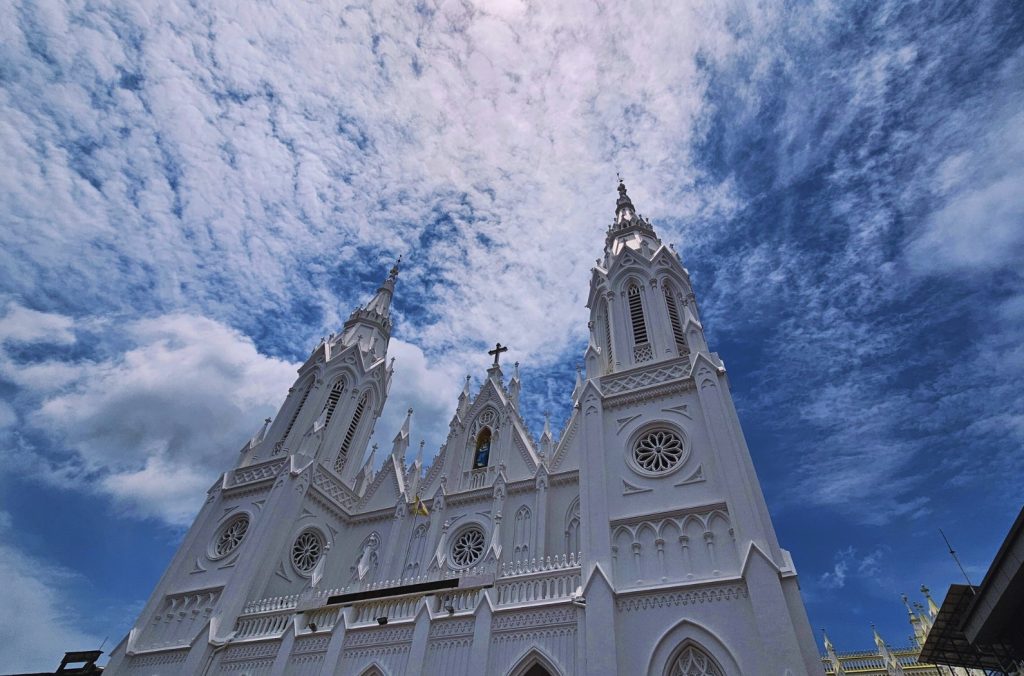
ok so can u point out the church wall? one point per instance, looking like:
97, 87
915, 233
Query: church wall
560, 498
388, 647
515, 634
449, 647
718, 617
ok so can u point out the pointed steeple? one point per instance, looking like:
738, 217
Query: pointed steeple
514, 386
464, 399
624, 210
370, 326
546, 438
578, 389
933, 609
833, 658
401, 442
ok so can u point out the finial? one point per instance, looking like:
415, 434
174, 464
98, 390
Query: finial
266, 420
498, 349
394, 268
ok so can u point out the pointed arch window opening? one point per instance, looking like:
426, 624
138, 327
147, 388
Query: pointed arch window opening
521, 535
350, 434
608, 334
692, 661
673, 316
332, 400
295, 416
482, 452
641, 345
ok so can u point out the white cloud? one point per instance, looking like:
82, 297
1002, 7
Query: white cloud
20, 324
849, 563
980, 225
36, 623
154, 424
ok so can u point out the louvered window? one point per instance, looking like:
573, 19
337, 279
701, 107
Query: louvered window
608, 335
673, 316
636, 315
353, 426
332, 401
295, 416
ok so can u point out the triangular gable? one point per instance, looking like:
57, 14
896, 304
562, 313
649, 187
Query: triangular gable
566, 456
386, 489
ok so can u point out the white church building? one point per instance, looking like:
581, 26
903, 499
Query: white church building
636, 542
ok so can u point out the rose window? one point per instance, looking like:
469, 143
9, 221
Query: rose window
468, 547
230, 536
658, 451
306, 551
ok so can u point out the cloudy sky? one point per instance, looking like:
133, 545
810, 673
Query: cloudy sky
193, 193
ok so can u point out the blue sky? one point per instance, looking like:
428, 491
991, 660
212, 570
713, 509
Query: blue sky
192, 195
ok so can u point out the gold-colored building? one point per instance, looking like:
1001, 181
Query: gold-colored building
888, 661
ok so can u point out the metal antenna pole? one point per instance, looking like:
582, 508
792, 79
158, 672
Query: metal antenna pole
952, 552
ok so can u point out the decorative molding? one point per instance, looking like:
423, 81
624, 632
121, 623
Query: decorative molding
622, 422
251, 651
311, 644
630, 489
695, 477
519, 620
362, 638
662, 599
158, 658
633, 398
333, 488
636, 379
451, 628
263, 471
682, 409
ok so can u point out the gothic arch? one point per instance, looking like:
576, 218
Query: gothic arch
534, 660
299, 394
521, 532
373, 670
688, 634
572, 528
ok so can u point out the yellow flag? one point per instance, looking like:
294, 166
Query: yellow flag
420, 508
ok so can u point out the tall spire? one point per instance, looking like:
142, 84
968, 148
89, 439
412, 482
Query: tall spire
624, 210
370, 326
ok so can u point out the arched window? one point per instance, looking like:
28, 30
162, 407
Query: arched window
673, 316
692, 661
521, 535
415, 553
636, 314
572, 528
353, 427
332, 400
483, 448
295, 416
608, 334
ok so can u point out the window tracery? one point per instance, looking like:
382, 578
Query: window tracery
306, 551
521, 534
658, 451
230, 536
693, 661
468, 546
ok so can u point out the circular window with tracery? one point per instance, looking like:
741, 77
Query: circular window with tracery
229, 537
306, 551
468, 546
659, 451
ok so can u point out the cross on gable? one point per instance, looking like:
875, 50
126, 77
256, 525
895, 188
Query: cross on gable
498, 349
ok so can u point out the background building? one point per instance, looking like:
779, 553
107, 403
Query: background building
888, 661
636, 541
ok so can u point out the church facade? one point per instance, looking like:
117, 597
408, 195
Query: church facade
636, 541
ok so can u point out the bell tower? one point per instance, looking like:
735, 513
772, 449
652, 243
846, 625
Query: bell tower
672, 500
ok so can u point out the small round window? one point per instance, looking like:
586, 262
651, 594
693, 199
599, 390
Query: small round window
658, 451
229, 536
306, 551
468, 547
